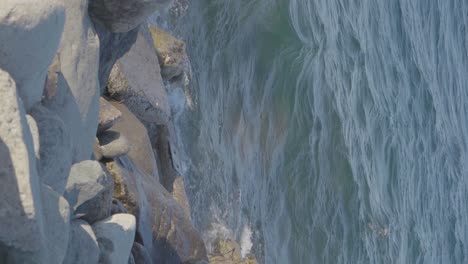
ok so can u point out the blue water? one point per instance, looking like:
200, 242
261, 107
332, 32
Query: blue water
336, 131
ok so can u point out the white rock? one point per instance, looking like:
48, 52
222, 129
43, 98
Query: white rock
55, 150
83, 246
30, 32
115, 236
21, 226
89, 191
113, 144
34, 133
76, 99
57, 224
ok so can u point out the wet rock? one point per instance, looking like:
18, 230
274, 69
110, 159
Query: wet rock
57, 224
125, 15
108, 115
75, 99
140, 254
227, 251
115, 237
136, 80
21, 219
55, 148
113, 144
171, 53
89, 191
30, 32
82, 246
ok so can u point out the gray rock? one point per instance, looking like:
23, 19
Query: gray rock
146, 95
30, 32
76, 98
89, 191
55, 148
108, 115
57, 224
115, 237
113, 46
131, 259
140, 254
21, 219
83, 246
125, 15
113, 144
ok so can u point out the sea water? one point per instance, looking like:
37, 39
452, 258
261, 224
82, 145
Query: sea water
330, 131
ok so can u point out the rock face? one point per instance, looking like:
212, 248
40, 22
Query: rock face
171, 53
76, 99
113, 144
30, 32
123, 16
57, 218
115, 237
21, 223
141, 152
136, 79
89, 191
55, 148
108, 115
82, 246
140, 255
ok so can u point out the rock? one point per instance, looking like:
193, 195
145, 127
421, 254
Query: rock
166, 231
131, 260
35, 135
89, 191
30, 32
97, 155
113, 144
179, 194
171, 53
125, 15
57, 224
55, 151
146, 94
82, 246
113, 46
108, 115
76, 98
21, 219
141, 152
115, 237
140, 254
118, 207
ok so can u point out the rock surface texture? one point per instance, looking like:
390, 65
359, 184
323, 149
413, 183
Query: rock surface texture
123, 16
115, 237
83, 246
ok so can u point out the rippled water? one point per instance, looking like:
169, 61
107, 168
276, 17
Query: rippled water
334, 131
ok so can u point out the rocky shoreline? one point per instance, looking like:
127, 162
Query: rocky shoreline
88, 156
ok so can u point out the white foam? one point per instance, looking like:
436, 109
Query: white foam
246, 240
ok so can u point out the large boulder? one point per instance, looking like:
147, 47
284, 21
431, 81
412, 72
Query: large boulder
165, 229
30, 32
21, 219
140, 254
89, 191
56, 225
83, 246
55, 149
171, 53
115, 236
108, 115
125, 15
75, 99
136, 79
136, 133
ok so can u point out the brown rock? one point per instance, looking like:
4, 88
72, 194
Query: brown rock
227, 251
108, 115
171, 53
